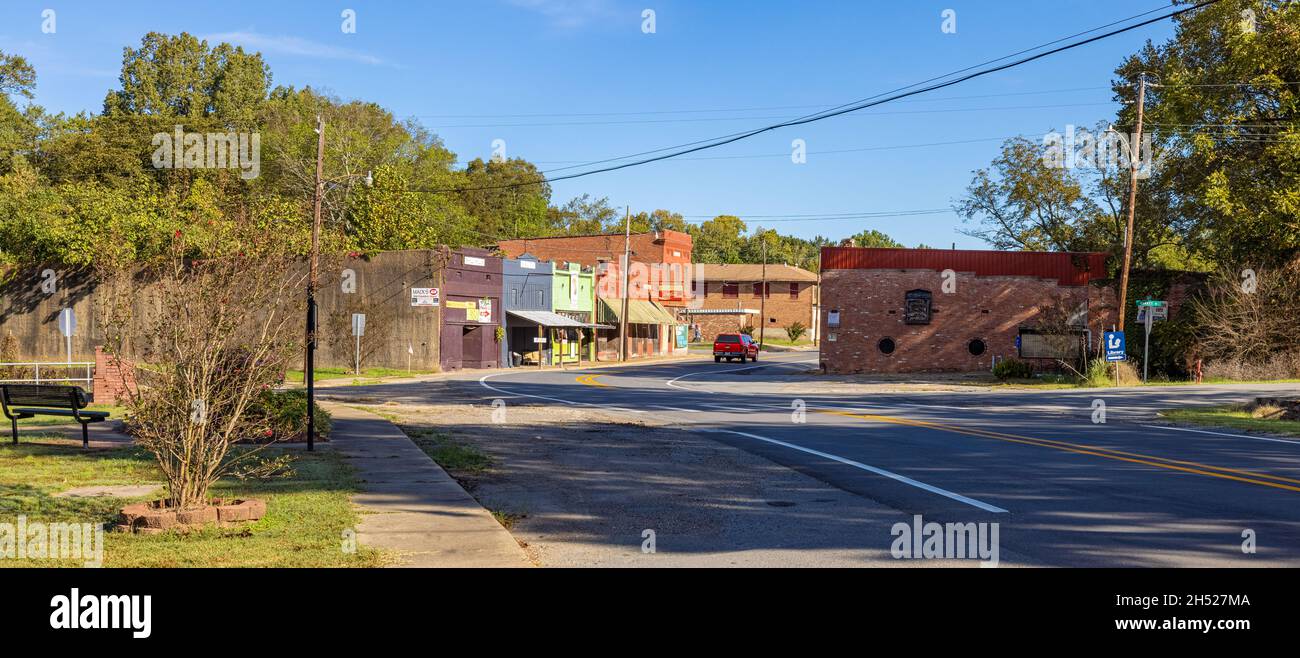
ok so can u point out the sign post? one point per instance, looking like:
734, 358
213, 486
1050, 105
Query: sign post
1150, 310
358, 330
68, 327
1115, 349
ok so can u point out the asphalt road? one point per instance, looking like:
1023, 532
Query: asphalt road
1064, 488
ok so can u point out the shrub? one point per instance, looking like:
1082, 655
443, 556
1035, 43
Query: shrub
1278, 366
9, 354
283, 415
796, 330
217, 336
1101, 373
1013, 369
748, 331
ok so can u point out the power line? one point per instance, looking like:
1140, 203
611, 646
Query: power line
770, 108
717, 119
860, 105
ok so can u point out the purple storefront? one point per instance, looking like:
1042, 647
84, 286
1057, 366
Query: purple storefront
471, 310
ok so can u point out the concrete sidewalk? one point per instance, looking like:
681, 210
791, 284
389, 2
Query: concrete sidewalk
410, 505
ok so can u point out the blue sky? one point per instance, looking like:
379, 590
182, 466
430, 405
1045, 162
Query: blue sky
568, 81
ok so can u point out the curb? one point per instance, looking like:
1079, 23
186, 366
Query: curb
411, 506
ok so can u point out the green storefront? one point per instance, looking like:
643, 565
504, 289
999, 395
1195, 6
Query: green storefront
573, 295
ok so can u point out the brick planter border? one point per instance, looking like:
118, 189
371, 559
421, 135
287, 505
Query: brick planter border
153, 517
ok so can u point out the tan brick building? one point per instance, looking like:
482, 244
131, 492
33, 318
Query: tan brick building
933, 310
733, 298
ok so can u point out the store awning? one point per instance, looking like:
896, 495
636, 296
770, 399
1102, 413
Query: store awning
548, 319
639, 311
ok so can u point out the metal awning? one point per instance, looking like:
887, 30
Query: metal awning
548, 319
639, 311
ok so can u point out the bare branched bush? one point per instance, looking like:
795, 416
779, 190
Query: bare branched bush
1247, 324
204, 339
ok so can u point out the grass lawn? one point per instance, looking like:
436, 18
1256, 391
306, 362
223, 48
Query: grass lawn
1232, 417
307, 512
322, 374
115, 413
1054, 382
457, 458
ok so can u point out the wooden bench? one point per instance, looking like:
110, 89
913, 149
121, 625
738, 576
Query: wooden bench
26, 401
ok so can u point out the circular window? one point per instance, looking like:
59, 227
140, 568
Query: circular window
976, 347
886, 345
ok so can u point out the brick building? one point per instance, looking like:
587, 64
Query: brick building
664, 256
730, 298
657, 283
927, 310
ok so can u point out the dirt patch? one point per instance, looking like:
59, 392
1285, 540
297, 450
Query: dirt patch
585, 487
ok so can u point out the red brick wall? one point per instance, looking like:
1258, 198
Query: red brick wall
112, 382
989, 308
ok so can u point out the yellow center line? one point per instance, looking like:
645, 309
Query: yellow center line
1081, 449
590, 380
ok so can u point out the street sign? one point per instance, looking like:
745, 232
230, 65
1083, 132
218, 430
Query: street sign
68, 323
1157, 313
358, 330
1115, 346
1152, 303
68, 327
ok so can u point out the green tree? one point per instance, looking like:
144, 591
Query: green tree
874, 238
17, 76
1223, 113
506, 199
182, 77
1024, 202
719, 240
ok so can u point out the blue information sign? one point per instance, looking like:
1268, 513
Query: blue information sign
1115, 346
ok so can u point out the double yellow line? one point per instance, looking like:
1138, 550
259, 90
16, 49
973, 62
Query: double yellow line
1251, 477
590, 380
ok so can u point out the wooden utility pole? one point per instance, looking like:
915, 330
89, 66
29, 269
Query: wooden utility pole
1134, 151
313, 281
627, 264
762, 300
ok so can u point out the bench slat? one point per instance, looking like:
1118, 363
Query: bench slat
59, 397
98, 415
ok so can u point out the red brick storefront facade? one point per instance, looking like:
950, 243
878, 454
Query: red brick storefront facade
979, 302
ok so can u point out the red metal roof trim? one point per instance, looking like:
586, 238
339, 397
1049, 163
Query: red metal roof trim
1070, 269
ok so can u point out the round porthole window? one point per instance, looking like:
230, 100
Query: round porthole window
886, 345
977, 347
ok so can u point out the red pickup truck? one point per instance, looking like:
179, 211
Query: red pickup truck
732, 346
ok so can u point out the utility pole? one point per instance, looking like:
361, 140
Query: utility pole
762, 300
627, 263
309, 373
1133, 152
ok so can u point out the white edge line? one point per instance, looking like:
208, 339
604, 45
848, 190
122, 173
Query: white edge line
872, 469
673, 382
1239, 436
483, 382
